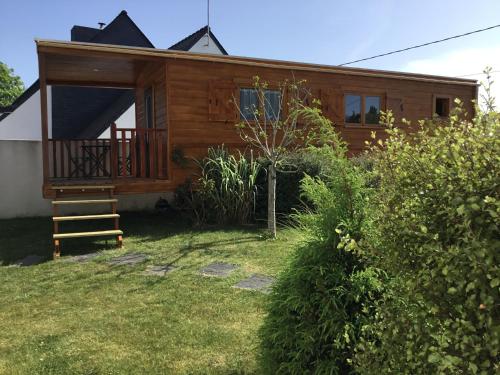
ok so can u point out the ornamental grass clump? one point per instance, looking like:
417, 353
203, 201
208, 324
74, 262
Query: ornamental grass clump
224, 191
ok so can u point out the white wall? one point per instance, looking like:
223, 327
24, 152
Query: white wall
21, 179
202, 47
25, 122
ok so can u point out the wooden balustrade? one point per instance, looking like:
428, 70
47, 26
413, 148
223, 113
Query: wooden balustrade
129, 153
79, 158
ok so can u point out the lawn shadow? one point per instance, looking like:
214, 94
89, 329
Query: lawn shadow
191, 248
23, 237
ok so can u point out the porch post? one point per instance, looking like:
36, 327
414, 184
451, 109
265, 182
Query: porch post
44, 114
114, 152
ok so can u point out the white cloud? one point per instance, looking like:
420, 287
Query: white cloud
462, 62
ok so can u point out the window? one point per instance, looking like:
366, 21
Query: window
442, 106
372, 109
353, 109
249, 103
362, 109
272, 100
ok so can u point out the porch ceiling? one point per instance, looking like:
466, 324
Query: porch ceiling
94, 71
84, 68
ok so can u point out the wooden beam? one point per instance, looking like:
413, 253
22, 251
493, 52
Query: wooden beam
100, 84
44, 117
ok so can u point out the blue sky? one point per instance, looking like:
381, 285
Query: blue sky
318, 31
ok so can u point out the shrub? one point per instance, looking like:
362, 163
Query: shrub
288, 178
225, 190
324, 297
437, 237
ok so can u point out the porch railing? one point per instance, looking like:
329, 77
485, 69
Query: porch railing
129, 153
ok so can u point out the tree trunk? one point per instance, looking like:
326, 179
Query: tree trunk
271, 200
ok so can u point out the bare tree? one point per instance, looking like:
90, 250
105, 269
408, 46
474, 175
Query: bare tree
278, 121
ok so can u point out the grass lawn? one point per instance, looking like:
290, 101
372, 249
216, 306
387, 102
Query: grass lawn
92, 318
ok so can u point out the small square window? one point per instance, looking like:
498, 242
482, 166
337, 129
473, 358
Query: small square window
442, 106
249, 104
353, 109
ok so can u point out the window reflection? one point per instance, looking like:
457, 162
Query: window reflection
272, 104
353, 109
372, 109
249, 104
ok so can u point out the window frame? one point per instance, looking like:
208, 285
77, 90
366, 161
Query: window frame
240, 115
435, 97
280, 110
363, 95
248, 85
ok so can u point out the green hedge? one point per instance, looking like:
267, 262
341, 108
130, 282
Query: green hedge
436, 217
325, 296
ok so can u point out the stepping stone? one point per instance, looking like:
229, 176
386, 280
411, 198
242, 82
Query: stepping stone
218, 269
159, 270
30, 260
260, 283
84, 257
129, 259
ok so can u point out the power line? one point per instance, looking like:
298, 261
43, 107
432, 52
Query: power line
476, 74
421, 45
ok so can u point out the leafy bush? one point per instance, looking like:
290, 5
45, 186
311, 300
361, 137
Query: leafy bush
225, 190
437, 236
288, 178
324, 297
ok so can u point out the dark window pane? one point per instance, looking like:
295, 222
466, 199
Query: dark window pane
249, 104
272, 104
353, 109
372, 109
443, 107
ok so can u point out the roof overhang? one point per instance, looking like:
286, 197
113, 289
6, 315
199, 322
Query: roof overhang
93, 64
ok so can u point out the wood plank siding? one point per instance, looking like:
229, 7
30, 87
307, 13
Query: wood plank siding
200, 114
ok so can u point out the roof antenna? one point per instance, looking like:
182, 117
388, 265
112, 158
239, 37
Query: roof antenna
101, 25
208, 23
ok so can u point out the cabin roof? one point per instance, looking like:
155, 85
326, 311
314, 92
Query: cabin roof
83, 54
188, 42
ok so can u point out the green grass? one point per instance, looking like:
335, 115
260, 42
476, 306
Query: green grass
60, 317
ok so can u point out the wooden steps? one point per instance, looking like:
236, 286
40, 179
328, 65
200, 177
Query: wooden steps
85, 201
83, 187
98, 233
85, 217
81, 191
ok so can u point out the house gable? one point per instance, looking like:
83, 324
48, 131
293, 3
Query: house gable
197, 42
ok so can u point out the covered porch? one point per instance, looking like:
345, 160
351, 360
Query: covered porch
133, 159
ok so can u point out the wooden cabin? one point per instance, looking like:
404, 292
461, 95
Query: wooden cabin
183, 107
